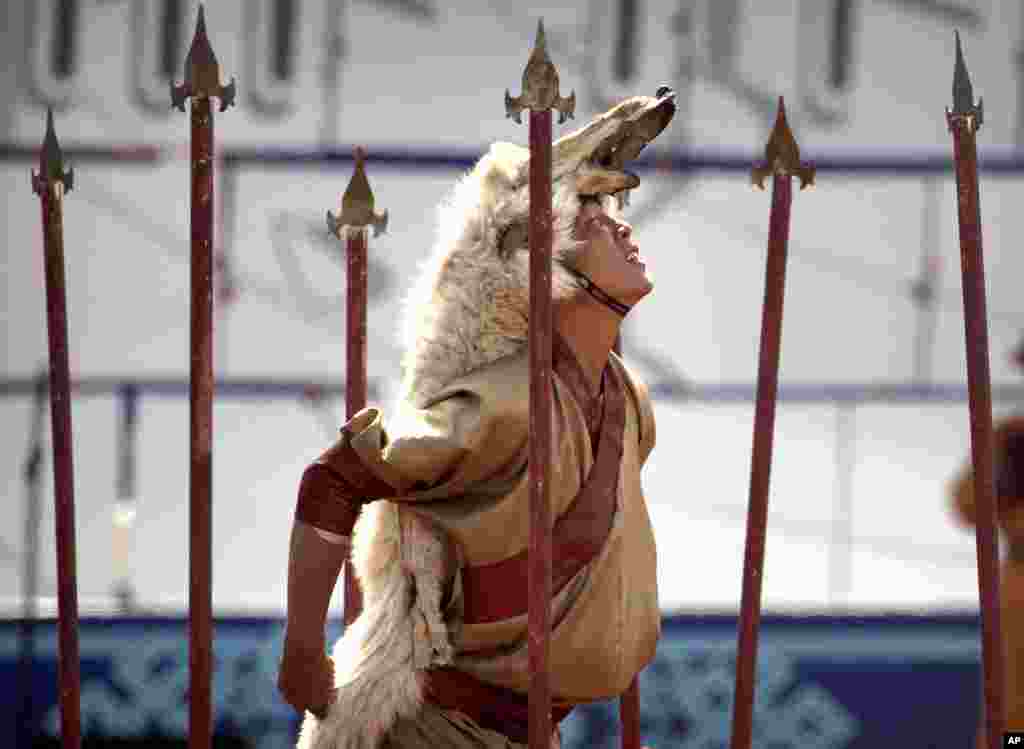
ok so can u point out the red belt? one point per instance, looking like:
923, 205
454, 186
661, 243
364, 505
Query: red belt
489, 706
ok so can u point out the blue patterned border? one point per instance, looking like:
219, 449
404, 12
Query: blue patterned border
823, 683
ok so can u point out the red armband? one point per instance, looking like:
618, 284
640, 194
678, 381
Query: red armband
325, 501
334, 488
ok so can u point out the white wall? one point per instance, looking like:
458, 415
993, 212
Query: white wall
436, 84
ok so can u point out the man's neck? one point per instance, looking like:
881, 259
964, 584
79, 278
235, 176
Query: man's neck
590, 330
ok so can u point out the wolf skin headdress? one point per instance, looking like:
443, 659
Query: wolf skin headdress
469, 307
470, 304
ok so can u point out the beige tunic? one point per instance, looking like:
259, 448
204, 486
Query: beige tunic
462, 459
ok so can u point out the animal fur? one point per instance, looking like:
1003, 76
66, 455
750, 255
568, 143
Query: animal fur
470, 304
403, 562
469, 308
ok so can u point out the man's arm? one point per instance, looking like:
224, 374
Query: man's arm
324, 517
435, 445
306, 678
313, 567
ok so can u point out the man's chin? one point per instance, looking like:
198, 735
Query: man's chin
634, 295
647, 288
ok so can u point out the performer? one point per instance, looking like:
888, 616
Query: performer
1009, 485
438, 657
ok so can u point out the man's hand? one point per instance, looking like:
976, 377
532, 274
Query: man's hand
306, 678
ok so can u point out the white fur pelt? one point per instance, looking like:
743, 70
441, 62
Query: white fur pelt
402, 561
469, 306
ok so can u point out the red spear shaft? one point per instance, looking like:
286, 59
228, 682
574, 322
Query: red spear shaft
539, 95
629, 703
964, 121
350, 225
355, 373
782, 157
202, 81
540, 334
50, 185
355, 324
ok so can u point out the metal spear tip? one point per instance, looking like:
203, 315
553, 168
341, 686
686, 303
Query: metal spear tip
963, 92
540, 42
357, 204
202, 72
540, 85
782, 154
51, 161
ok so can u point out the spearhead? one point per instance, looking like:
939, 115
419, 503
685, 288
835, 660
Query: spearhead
963, 93
357, 203
202, 72
51, 162
540, 85
782, 154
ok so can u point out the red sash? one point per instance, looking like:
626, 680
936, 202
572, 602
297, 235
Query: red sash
489, 706
497, 591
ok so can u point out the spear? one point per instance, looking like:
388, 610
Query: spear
782, 161
202, 81
963, 121
629, 702
540, 94
350, 226
50, 185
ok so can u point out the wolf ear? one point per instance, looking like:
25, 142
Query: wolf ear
603, 181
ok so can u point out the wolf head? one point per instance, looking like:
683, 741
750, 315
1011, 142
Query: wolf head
470, 304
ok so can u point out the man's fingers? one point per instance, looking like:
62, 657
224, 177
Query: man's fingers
307, 689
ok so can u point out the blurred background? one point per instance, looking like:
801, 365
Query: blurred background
870, 586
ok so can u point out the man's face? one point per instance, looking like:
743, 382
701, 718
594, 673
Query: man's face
610, 258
